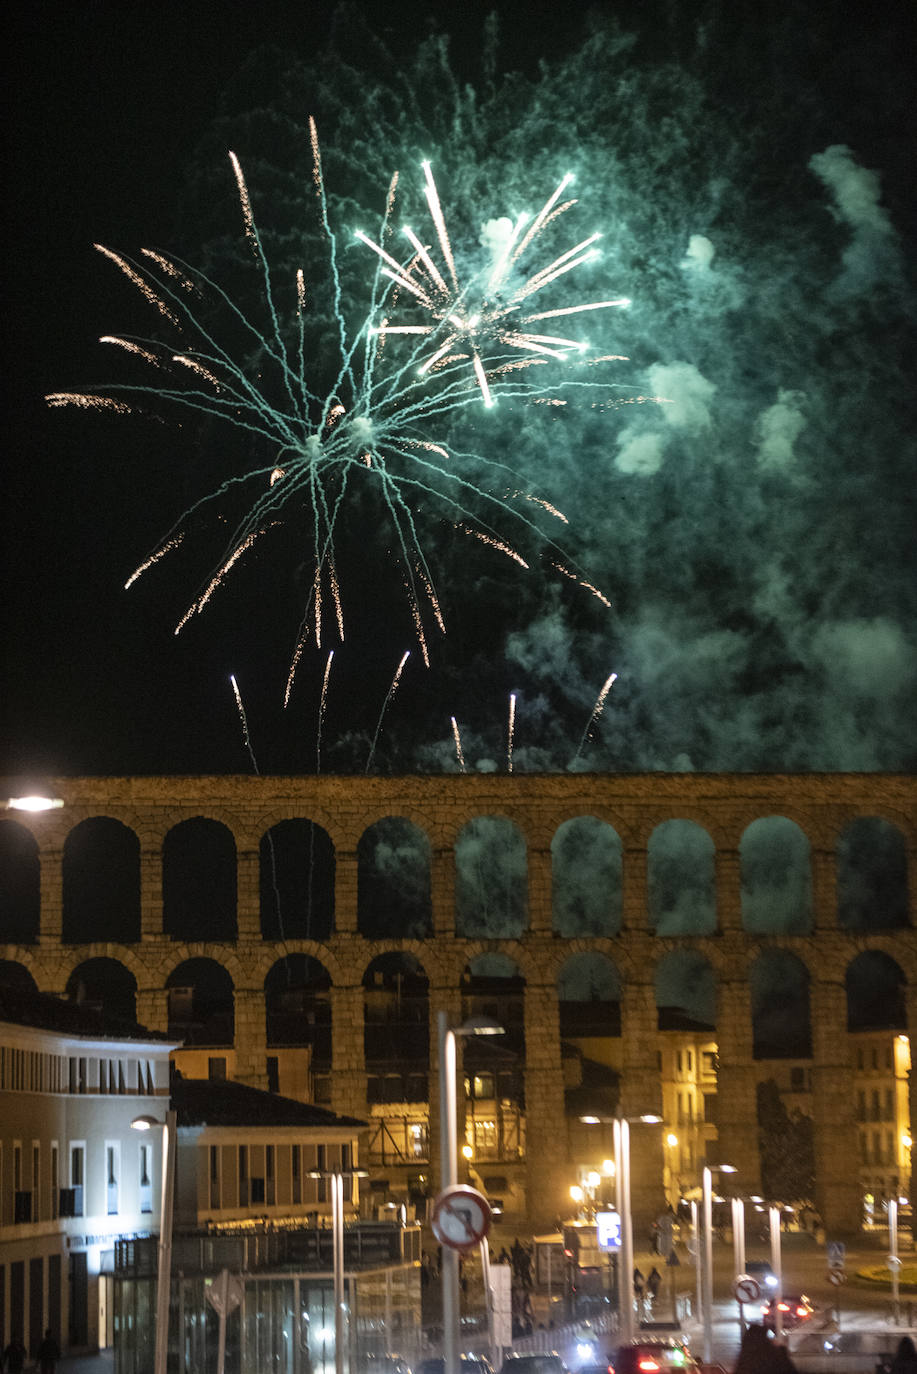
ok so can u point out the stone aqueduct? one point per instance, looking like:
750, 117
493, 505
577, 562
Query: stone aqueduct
723, 805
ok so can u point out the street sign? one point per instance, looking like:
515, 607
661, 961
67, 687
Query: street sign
893, 1261
835, 1253
837, 1276
461, 1217
608, 1230
746, 1289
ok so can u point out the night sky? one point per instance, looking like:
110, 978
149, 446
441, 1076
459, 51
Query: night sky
755, 534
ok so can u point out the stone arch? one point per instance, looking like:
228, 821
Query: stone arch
199, 881
201, 1003
871, 875
492, 985
20, 885
393, 881
296, 872
586, 870
491, 876
101, 883
297, 1003
396, 1028
781, 1021
681, 888
105, 983
775, 858
685, 986
16, 977
876, 991
589, 1011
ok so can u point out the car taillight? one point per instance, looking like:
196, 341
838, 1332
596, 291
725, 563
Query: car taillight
783, 1307
801, 1311
646, 1362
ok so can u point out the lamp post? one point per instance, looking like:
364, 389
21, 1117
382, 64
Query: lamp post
336, 1178
707, 1200
448, 1131
166, 1207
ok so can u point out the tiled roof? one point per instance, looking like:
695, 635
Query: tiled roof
28, 1007
223, 1102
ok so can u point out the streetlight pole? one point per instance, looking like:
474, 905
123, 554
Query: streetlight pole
626, 1280
448, 1153
707, 1200
166, 1208
336, 1178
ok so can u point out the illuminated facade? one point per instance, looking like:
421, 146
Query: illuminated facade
303, 933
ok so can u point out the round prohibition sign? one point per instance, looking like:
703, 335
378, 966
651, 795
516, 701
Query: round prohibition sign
461, 1217
746, 1288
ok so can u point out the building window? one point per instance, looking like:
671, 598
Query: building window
243, 1175
146, 1177
216, 1068
296, 1172
273, 1074
36, 1181
215, 1191
55, 1179
77, 1178
112, 1175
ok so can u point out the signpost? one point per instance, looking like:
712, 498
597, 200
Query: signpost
745, 1289
461, 1217
836, 1254
225, 1294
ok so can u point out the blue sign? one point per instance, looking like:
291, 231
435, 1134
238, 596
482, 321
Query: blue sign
608, 1230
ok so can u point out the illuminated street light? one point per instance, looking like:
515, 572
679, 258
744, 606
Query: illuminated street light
337, 1177
448, 1128
707, 1199
34, 803
166, 1206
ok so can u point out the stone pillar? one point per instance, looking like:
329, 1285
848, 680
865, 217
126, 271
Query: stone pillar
911, 1006
51, 858
540, 895
153, 1008
348, 1062
824, 889
449, 1000
151, 892
728, 884
250, 1037
442, 893
736, 1088
546, 1148
641, 1094
837, 1186
248, 894
634, 890
345, 892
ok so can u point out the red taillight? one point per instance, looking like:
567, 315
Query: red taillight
647, 1363
783, 1307
801, 1311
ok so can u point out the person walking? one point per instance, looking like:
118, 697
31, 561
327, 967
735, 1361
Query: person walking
14, 1356
759, 1354
905, 1361
48, 1353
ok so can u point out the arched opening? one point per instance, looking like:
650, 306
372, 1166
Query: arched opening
776, 878
296, 872
20, 885
16, 978
685, 991
107, 985
871, 876
876, 993
491, 875
101, 883
780, 1015
586, 878
297, 997
493, 1066
396, 1029
393, 881
589, 1005
201, 1004
682, 890
199, 881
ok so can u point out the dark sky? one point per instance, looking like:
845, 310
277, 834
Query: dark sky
109, 103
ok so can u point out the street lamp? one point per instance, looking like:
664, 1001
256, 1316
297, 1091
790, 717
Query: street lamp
166, 1206
707, 1199
448, 1130
621, 1126
337, 1176
34, 803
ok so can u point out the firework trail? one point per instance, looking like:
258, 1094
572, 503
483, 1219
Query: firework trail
391, 692
321, 712
511, 730
324, 445
246, 737
596, 712
458, 744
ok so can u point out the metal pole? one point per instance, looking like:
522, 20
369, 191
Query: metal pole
773, 1214
698, 1263
626, 1279
708, 1264
738, 1235
893, 1259
337, 1237
488, 1301
448, 1114
164, 1275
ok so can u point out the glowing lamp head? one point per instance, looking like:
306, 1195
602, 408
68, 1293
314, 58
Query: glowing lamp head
34, 803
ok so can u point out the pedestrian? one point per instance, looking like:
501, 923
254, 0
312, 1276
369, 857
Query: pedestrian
652, 1284
905, 1361
14, 1356
760, 1354
48, 1353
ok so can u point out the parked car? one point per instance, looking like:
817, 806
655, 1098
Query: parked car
668, 1356
546, 1362
795, 1310
385, 1364
469, 1364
